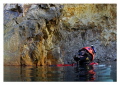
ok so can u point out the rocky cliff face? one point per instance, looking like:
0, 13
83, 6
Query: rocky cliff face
45, 34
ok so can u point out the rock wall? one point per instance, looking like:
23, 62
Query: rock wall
45, 34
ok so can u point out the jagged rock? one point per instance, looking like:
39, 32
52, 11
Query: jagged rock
47, 34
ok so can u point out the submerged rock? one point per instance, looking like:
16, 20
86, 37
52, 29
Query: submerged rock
45, 34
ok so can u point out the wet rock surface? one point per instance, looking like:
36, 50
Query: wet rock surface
47, 34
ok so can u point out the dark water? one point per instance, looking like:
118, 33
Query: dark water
102, 73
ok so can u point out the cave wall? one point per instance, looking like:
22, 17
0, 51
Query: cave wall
47, 34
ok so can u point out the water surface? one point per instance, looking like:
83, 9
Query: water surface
102, 73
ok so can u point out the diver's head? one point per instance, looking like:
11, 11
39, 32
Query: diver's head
89, 51
85, 55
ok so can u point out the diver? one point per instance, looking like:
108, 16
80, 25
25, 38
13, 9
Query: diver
85, 56
84, 59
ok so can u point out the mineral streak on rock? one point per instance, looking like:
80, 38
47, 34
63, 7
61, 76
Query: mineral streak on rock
48, 34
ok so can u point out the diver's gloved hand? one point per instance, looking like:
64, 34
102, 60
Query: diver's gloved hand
76, 58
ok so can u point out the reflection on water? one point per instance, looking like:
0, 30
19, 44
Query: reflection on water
103, 72
85, 73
